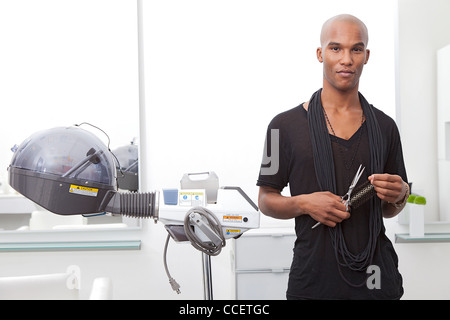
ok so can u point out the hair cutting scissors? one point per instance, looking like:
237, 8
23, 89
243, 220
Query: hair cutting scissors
346, 197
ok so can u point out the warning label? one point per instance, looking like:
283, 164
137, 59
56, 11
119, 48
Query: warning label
84, 191
232, 218
232, 231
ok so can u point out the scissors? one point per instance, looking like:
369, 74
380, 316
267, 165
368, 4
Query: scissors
346, 197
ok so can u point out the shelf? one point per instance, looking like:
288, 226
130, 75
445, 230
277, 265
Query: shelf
427, 238
11, 204
70, 246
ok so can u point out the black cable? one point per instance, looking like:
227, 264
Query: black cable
325, 174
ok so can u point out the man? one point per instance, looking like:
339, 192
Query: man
321, 144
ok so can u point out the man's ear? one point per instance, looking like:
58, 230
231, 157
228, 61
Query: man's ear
367, 56
319, 54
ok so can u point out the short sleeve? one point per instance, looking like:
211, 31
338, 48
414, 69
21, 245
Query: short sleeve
274, 165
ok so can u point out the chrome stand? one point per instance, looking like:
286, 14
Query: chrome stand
207, 277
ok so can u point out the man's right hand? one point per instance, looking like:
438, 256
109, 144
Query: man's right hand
324, 207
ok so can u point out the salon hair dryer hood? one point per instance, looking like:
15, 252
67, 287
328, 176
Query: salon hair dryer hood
66, 170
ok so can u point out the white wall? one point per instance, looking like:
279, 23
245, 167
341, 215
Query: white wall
422, 30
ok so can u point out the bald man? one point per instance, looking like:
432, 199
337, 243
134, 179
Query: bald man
321, 144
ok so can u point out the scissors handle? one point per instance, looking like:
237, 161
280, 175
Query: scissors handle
346, 197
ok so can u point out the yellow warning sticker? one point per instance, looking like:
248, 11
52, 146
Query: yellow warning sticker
232, 218
230, 231
84, 191
192, 193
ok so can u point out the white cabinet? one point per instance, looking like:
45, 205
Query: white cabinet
443, 125
262, 259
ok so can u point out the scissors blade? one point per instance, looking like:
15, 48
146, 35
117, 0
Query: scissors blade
352, 186
357, 176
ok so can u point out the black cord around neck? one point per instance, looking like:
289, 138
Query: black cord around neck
325, 174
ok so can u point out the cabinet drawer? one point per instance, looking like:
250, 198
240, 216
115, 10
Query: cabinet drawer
261, 285
264, 251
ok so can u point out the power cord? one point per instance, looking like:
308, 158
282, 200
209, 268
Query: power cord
175, 286
205, 247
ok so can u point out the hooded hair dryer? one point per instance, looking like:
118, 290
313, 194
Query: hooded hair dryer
68, 170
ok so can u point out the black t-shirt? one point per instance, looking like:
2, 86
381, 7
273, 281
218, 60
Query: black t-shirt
314, 271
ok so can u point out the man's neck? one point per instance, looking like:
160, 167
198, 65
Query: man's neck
339, 100
343, 111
